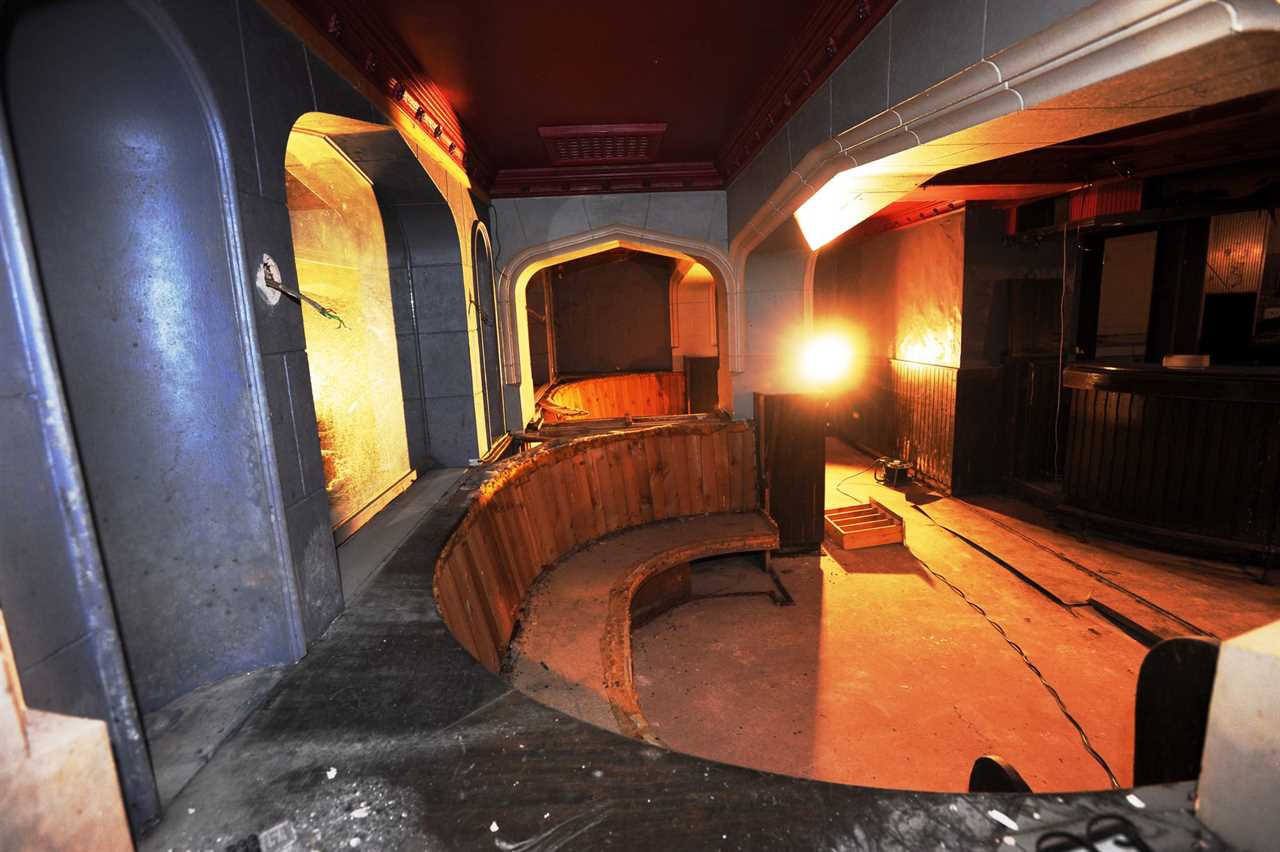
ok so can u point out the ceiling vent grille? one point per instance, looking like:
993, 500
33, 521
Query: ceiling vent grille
600, 144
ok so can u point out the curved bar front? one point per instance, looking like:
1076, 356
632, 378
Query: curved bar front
536, 508
618, 395
1177, 456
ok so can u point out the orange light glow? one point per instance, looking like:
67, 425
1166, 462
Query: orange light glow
825, 359
851, 197
341, 256
928, 349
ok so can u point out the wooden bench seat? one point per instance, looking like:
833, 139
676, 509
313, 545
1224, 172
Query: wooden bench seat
541, 572
573, 647
542, 506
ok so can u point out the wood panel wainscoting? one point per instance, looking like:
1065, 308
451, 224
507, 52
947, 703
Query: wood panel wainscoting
537, 507
1031, 403
908, 410
617, 395
1193, 455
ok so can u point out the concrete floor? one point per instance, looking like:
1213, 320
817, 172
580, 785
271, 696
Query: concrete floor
183, 735
362, 554
883, 675
387, 735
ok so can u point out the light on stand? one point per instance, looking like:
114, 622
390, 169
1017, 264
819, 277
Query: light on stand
825, 360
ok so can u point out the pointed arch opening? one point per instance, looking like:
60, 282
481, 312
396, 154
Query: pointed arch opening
521, 380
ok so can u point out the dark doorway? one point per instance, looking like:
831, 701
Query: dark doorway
612, 313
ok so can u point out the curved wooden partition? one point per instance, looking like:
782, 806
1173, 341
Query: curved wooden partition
538, 507
635, 394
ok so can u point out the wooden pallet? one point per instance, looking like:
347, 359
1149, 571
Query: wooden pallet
864, 525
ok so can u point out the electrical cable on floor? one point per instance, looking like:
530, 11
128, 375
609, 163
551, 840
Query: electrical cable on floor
1084, 738
1085, 569
871, 466
1035, 670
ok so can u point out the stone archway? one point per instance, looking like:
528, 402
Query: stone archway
513, 332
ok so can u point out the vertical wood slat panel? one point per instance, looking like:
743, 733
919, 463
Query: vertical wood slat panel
722, 472
560, 498
1269, 479
636, 394
886, 414
611, 501
919, 423
1181, 427
1161, 441
737, 471
1215, 487
673, 460
1259, 507
1137, 434
1202, 466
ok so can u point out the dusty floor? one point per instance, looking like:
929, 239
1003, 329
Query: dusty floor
362, 554
883, 675
183, 735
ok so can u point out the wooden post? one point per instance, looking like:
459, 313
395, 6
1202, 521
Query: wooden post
791, 452
57, 777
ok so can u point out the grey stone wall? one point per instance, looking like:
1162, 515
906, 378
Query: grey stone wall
520, 223
919, 43
262, 80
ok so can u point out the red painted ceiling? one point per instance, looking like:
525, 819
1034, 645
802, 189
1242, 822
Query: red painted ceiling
510, 66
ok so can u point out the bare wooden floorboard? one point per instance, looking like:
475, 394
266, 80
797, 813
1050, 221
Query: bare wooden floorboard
1064, 581
1219, 598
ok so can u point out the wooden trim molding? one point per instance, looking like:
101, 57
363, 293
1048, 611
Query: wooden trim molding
356, 33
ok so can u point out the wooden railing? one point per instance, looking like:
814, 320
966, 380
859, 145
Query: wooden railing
619, 395
537, 507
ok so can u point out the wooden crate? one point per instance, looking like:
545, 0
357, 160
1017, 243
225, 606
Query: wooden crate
864, 525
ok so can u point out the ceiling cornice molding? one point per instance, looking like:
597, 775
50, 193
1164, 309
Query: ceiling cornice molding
833, 31
580, 180
364, 40
369, 45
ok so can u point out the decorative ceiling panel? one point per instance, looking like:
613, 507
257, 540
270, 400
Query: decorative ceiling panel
600, 144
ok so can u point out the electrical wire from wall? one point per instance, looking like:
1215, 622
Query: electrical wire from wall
1035, 670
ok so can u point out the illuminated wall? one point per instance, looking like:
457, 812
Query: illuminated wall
340, 249
693, 312
902, 289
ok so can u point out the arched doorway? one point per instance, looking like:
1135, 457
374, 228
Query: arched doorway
345, 289
520, 271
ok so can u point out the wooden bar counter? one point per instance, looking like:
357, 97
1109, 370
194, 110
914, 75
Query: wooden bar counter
1186, 454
